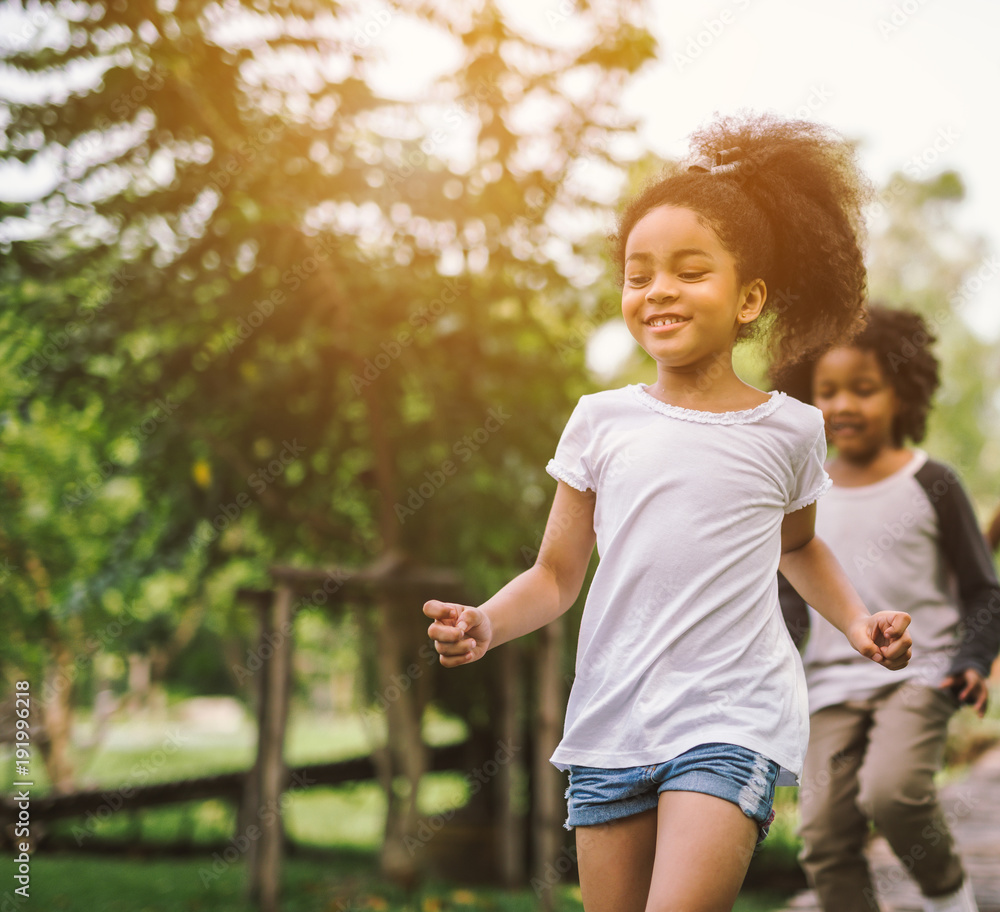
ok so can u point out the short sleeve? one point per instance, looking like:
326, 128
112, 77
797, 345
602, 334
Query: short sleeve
572, 462
811, 481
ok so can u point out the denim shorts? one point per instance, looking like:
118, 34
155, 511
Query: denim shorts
727, 771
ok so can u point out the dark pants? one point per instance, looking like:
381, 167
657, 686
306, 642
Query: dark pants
875, 760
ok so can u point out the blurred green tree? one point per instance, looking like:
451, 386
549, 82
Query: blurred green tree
81, 544
920, 257
349, 321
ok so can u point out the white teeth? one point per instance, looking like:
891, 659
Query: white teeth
665, 321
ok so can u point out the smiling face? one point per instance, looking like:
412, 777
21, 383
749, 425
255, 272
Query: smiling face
682, 299
858, 403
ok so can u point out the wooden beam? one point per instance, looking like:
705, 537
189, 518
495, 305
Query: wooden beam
100, 803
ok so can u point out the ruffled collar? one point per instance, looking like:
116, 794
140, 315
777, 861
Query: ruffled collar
746, 416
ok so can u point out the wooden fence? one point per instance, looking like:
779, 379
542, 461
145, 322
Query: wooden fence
396, 588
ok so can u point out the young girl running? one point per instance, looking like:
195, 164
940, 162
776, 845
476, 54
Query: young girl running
906, 534
689, 697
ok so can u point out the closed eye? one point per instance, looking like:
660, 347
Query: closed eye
690, 276
637, 280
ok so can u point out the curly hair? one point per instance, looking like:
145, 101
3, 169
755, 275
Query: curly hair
789, 212
901, 343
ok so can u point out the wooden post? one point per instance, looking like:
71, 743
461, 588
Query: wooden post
405, 754
275, 652
57, 715
246, 815
510, 829
395, 588
547, 787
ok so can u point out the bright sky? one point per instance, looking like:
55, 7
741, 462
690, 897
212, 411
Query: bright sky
915, 80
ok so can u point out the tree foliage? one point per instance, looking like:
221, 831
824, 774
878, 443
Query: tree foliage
282, 314
921, 258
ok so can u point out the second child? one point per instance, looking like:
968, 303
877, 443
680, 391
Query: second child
904, 530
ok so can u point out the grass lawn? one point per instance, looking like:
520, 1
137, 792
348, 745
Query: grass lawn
82, 883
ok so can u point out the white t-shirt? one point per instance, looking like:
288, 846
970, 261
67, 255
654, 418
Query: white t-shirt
887, 537
682, 641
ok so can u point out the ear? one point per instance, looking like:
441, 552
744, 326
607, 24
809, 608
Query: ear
754, 297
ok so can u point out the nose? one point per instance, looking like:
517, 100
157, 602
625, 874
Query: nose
841, 402
662, 287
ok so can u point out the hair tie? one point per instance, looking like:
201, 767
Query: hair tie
725, 161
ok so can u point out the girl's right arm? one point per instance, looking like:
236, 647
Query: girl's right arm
463, 634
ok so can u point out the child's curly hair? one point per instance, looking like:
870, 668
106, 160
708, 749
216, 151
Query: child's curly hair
789, 211
901, 343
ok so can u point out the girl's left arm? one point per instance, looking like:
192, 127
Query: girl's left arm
809, 565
